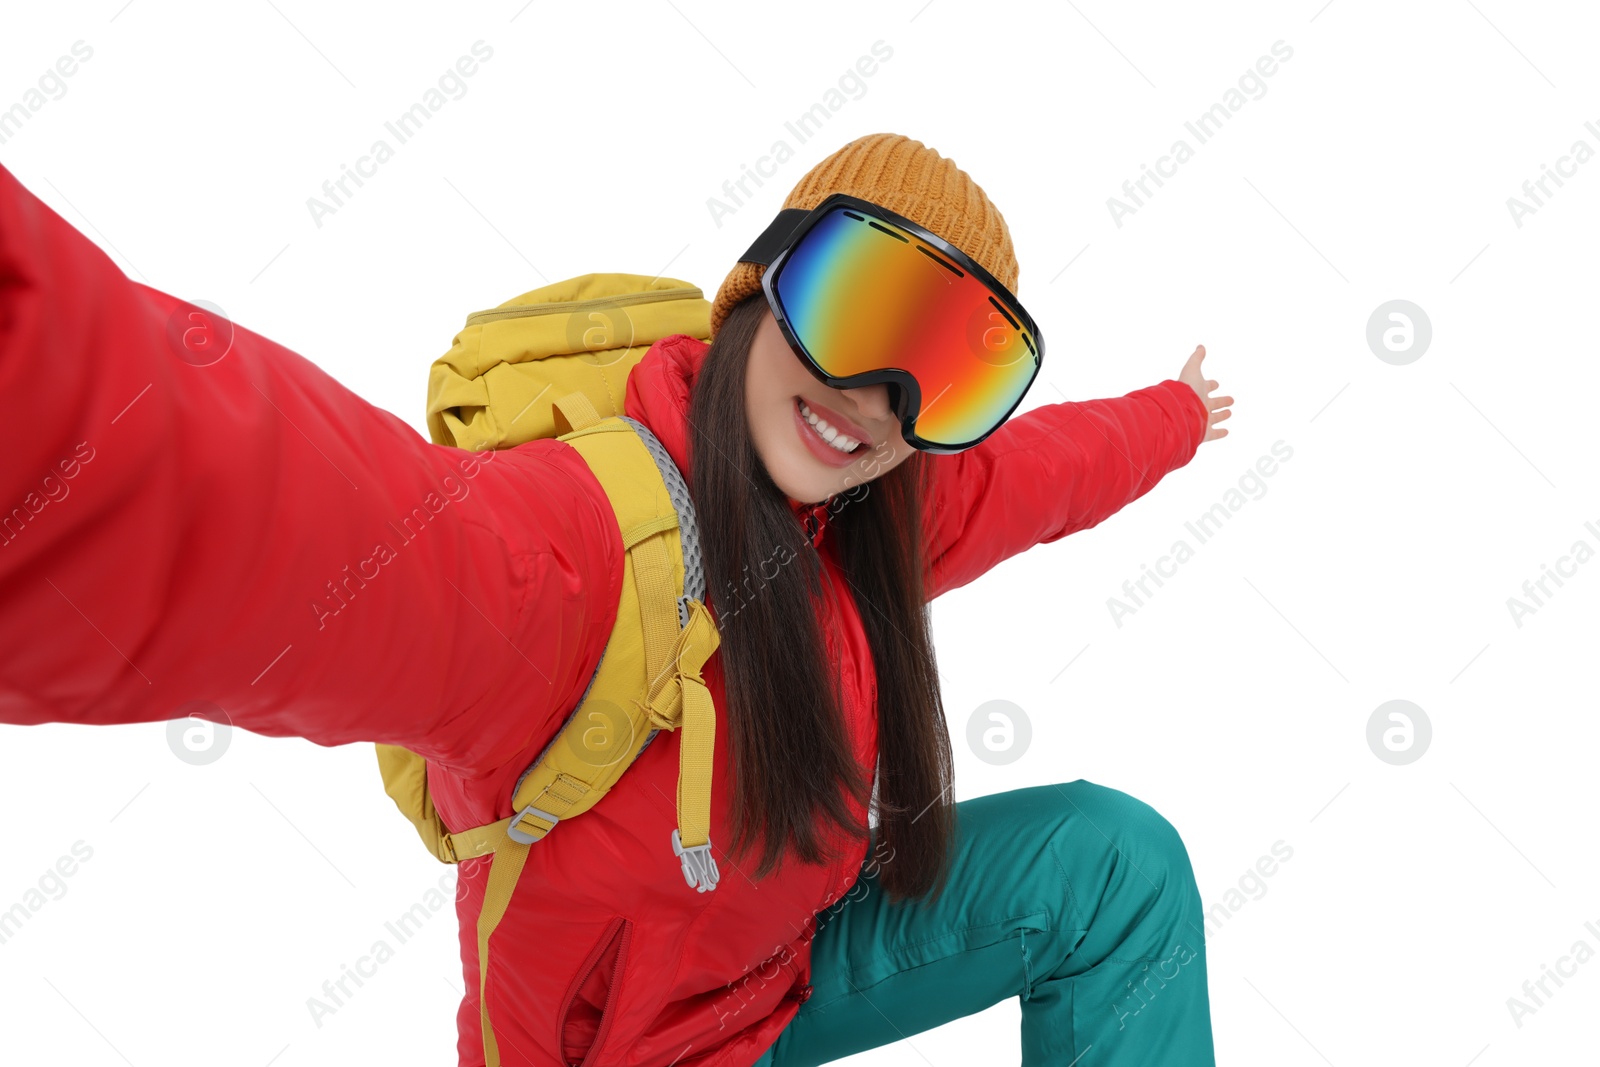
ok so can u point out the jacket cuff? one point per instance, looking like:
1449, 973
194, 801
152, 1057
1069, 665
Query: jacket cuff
1185, 395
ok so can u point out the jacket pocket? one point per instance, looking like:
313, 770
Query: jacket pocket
587, 1011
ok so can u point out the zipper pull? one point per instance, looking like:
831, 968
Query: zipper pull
815, 524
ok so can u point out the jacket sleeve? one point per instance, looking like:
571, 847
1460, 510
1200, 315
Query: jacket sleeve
1051, 471
247, 533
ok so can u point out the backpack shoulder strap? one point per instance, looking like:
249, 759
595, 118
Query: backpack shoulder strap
649, 675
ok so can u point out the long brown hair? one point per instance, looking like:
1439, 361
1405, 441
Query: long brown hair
793, 763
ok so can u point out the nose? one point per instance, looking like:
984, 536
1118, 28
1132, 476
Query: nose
872, 401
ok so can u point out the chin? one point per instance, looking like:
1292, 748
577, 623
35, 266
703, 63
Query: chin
806, 490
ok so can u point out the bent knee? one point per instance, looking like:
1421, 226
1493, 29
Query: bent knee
1143, 836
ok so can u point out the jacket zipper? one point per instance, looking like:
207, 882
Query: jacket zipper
611, 993
625, 300
814, 522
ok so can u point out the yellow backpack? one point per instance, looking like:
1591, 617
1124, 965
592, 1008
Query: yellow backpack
554, 362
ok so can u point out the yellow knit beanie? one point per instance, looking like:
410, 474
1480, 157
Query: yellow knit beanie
908, 178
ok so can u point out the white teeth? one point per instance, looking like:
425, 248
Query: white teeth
828, 433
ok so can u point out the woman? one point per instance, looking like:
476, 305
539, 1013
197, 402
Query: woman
178, 516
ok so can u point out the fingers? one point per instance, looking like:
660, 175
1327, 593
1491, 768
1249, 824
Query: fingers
1218, 406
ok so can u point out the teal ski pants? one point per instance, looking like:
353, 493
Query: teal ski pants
1075, 898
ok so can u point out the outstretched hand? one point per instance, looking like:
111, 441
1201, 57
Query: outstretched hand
1218, 406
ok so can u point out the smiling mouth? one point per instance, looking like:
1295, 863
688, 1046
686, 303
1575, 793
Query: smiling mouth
801, 407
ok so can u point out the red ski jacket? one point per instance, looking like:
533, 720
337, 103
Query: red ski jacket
253, 534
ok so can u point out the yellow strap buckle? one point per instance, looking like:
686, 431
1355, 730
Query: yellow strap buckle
679, 700
516, 833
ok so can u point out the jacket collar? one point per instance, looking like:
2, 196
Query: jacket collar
658, 393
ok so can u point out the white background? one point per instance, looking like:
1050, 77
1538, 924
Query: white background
1376, 565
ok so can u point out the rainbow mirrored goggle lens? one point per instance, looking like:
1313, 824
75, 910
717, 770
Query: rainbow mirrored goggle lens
861, 294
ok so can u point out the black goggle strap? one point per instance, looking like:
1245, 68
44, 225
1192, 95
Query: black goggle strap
775, 237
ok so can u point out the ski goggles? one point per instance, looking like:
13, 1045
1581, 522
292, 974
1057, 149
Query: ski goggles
864, 295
